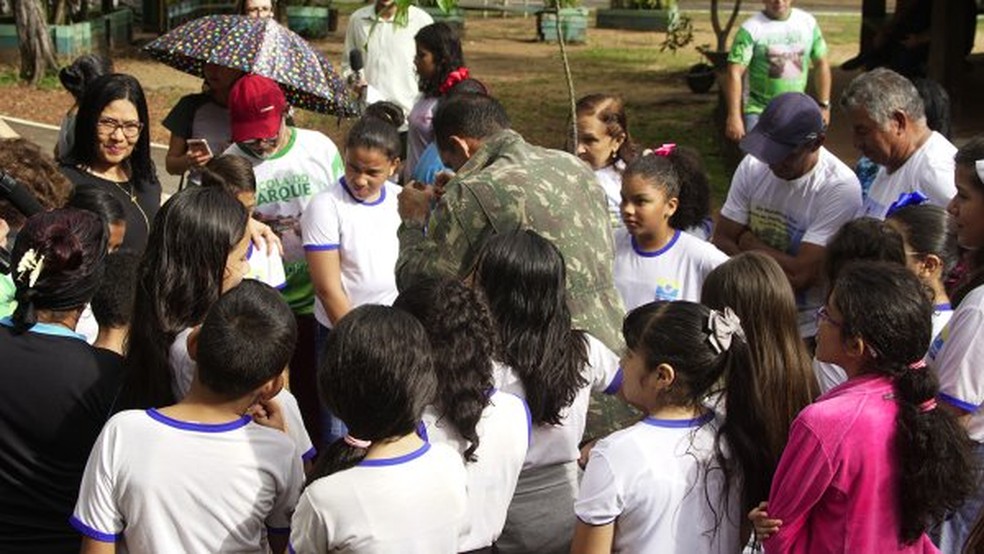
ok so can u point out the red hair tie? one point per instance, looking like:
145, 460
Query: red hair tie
919, 364
453, 78
664, 150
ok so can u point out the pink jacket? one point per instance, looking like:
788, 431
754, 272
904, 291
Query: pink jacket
836, 488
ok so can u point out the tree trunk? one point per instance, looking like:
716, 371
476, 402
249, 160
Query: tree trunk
37, 53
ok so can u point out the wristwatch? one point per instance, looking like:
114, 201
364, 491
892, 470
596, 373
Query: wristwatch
825, 104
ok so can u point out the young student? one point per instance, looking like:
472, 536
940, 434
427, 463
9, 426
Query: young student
196, 253
554, 368
957, 351
110, 211
874, 462
603, 142
865, 238
676, 481
440, 65
930, 252
349, 231
755, 287
693, 213
234, 174
112, 304
489, 427
381, 488
57, 391
653, 259
199, 476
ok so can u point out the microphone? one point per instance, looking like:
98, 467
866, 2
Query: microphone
18, 195
357, 63
22, 200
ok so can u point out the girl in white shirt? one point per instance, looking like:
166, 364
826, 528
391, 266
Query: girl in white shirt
654, 258
554, 368
677, 481
381, 488
489, 427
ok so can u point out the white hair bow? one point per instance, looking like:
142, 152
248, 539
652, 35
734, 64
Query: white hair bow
979, 166
721, 327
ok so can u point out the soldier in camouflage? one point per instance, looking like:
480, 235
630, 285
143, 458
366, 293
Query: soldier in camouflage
502, 184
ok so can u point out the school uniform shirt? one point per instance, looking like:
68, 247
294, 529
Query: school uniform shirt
784, 214
157, 484
364, 234
56, 394
836, 486
956, 355
266, 265
830, 375
610, 179
674, 272
183, 373
285, 184
420, 132
504, 433
652, 481
928, 170
558, 444
411, 504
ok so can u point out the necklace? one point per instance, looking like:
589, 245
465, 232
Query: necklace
127, 190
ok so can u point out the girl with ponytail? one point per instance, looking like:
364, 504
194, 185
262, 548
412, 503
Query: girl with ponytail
683, 466
380, 487
875, 462
57, 391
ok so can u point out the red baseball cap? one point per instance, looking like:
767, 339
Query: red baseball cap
256, 108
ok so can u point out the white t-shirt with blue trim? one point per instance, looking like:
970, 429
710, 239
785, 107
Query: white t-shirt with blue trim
649, 479
956, 355
504, 435
830, 375
156, 484
411, 504
674, 272
558, 444
364, 234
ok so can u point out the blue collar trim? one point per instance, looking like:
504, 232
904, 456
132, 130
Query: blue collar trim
641, 252
378, 201
199, 427
679, 423
380, 462
945, 307
49, 329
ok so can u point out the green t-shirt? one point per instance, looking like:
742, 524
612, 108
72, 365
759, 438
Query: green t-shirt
778, 55
285, 183
7, 290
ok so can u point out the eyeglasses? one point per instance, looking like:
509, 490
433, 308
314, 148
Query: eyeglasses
824, 315
259, 144
131, 129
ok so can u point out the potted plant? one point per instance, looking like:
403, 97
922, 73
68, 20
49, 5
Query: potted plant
312, 19
567, 16
640, 15
447, 11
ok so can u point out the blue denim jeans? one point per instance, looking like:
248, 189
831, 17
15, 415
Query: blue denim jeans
332, 428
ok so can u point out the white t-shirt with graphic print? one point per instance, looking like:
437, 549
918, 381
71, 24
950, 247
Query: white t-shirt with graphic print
785, 214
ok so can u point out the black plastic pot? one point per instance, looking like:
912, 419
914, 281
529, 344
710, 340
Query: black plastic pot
700, 78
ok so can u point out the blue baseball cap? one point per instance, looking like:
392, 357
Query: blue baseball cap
791, 120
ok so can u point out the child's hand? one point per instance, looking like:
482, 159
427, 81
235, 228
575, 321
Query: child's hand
268, 414
764, 527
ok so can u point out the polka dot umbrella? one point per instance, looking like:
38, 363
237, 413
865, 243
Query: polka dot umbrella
263, 47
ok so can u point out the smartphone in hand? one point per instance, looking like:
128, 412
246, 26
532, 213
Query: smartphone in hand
199, 146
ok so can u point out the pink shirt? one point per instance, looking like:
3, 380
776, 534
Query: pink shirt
836, 487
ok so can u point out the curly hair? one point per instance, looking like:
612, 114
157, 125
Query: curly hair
25, 162
463, 340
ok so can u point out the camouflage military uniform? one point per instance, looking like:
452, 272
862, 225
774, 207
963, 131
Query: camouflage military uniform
510, 184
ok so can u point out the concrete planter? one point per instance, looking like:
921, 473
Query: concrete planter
637, 19
573, 23
312, 21
98, 34
454, 18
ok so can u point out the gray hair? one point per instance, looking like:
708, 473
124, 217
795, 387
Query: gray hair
882, 92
